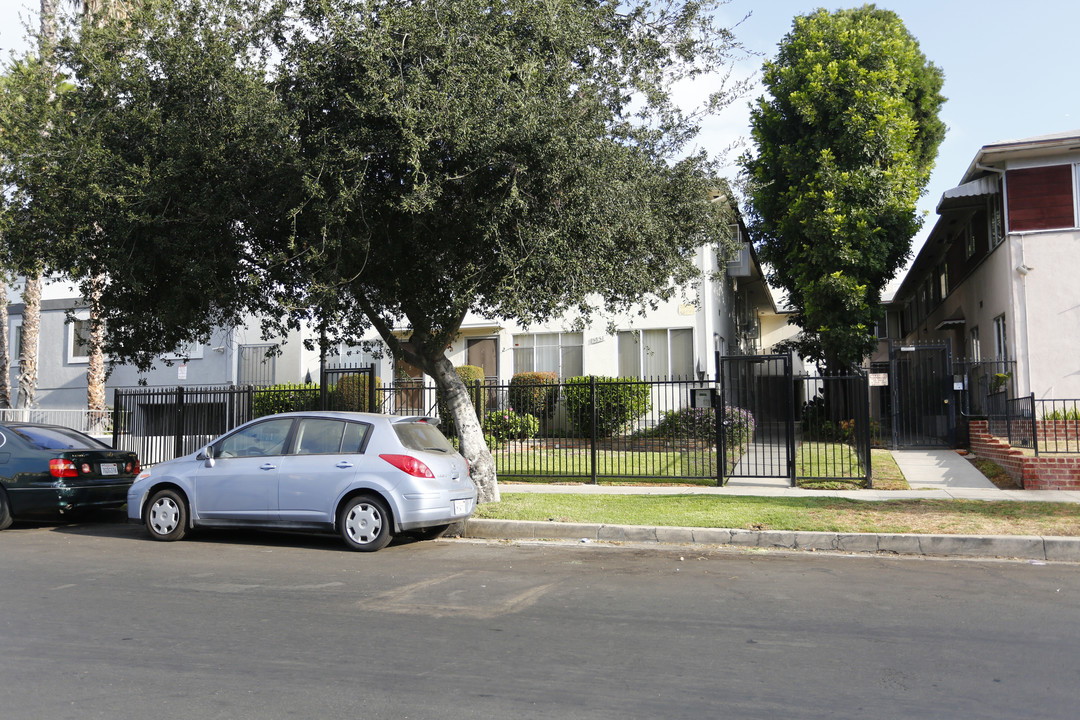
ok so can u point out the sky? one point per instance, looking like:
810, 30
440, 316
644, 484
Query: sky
1010, 71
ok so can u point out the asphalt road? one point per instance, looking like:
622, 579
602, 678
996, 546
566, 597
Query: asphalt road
96, 621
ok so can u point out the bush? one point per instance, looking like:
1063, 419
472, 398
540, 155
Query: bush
509, 425
351, 393
618, 402
469, 375
289, 397
700, 424
535, 393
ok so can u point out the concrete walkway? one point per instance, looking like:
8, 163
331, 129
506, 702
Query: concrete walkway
942, 474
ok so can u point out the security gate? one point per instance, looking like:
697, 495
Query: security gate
919, 411
758, 416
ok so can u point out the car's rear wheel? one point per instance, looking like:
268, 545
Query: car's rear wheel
364, 522
166, 515
5, 511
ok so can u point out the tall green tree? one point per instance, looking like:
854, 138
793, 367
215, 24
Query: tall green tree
408, 163
844, 144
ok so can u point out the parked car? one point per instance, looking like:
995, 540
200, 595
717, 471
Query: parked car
363, 475
48, 471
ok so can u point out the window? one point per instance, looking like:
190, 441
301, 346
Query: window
969, 240
1041, 198
996, 221
1001, 348
656, 353
265, 438
943, 281
78, 332
974, 351
315, 436
560, 353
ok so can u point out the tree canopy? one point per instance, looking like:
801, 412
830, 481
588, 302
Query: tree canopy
844, 145
379, 163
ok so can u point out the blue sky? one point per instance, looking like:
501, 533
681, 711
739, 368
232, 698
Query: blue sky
1010, 69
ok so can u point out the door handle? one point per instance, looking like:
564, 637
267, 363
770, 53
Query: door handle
344, 465
268, 466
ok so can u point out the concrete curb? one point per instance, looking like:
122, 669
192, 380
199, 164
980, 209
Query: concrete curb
1025, 547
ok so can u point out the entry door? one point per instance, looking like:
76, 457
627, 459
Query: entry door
483, 353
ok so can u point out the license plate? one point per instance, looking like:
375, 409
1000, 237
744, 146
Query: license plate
109, 469
461, 507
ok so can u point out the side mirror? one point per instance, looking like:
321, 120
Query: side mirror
207, 454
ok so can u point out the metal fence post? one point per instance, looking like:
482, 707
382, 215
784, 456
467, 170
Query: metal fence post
116, 417
178, 446
595, 422
1035, 427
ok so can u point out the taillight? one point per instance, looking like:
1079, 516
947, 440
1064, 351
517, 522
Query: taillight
61, 468
409, 464
132, 467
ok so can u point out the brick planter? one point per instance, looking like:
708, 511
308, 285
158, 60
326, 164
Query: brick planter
1046, 472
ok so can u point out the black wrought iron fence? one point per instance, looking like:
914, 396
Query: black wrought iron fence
1057, 425
834, 429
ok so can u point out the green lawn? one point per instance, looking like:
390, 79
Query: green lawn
808, 514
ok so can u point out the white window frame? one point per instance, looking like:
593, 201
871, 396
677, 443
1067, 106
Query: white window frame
79, 316
566, 341
975, 346
1001, 338
643, 348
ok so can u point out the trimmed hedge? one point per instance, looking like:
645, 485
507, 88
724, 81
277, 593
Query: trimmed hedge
700, 424
535, 393
618, 403
351, 393
288, 397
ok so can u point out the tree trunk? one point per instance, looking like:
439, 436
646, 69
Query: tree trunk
95, 371
5, 350
28, 354
473, 447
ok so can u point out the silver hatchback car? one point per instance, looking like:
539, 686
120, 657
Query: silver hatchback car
365, 476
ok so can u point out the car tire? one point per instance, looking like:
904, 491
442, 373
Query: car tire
365, 523
5, 511
166, 515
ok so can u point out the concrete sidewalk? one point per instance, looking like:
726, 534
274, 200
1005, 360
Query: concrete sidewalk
941, 474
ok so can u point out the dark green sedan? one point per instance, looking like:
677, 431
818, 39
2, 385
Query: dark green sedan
49, 471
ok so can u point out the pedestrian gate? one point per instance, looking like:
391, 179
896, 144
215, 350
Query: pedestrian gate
760, 385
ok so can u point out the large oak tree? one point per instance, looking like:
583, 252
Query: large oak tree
390, 164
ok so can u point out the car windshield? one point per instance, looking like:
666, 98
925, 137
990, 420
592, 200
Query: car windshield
58, 438
422, 436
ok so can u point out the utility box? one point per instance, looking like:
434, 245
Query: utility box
702, 397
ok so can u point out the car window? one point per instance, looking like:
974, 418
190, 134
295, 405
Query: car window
422, 436
57, 438
265, 438
324, 435
315, 436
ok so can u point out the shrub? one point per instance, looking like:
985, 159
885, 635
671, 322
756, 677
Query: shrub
469, 375
618, 402
351, 393
535, 393
700, 424
509, 425
288, 397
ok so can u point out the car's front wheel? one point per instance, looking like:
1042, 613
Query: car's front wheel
166, 515
364, 522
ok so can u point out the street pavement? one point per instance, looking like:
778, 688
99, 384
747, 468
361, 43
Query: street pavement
931, 473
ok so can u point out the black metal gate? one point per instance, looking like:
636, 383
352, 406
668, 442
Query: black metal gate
758, 416
916, 408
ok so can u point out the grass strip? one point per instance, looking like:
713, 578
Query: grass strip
949, 517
